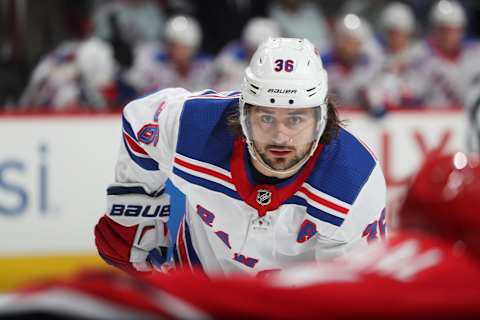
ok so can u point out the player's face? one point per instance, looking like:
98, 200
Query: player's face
179, 53
448, 38
348, 48
282, 136
397, 40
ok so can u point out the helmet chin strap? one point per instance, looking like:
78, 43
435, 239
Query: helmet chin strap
284, 173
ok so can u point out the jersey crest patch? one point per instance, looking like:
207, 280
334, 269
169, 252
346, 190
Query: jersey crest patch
148, 134
264, 197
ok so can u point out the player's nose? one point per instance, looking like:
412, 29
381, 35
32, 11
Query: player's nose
280, 137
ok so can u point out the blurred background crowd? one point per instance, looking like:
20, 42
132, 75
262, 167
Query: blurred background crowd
99, 54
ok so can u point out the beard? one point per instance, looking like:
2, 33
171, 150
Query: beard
282, 163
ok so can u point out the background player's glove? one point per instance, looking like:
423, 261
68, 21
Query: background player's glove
133, 233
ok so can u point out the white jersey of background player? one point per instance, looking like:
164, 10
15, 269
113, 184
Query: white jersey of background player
234, 58
269, 176
76, 74
354, 60
392, 86
178, 64
445, 71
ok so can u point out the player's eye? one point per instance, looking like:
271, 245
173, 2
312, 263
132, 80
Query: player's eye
267, 119
294, 121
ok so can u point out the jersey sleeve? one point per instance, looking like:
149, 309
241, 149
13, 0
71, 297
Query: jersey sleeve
149, 135
134, 226
365, 221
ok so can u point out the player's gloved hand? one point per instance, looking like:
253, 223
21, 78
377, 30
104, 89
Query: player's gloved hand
128, 248
157, 258
134, 231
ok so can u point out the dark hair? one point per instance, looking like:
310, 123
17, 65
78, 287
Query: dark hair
330, 132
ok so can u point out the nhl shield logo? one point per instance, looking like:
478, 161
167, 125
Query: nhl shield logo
264, 197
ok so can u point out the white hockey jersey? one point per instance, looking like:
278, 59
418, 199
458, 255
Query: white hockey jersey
334, 204
349, 84
393, 86
77, 73
153, 70
444, 81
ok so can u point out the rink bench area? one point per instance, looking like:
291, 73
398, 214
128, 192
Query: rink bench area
55, 167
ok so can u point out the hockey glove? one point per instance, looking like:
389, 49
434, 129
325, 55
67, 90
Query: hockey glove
134, 227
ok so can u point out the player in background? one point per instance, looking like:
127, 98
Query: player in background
444, 70
353, 62
429, 269
270, 177
232, 60
391, 87
178, 64
77, 74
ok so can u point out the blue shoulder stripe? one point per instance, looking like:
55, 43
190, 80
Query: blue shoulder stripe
145, 163
316, 213
128, 128
206, 184
191, 251
343, 168
204, 134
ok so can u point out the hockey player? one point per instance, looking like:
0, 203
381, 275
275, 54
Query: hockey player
430, 269
444, 70
178, 64
391, 87
353, 61
77, 74
270, 177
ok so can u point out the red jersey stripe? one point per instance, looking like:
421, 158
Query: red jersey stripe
133, 144
324, 202
184, 261
203, 170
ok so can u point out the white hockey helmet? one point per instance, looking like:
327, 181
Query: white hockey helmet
397, 16
448, 13
285, 73
184, 30
258, 30
96, 62
352, 25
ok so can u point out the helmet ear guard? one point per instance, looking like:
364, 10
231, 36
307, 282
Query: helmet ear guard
285, 73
